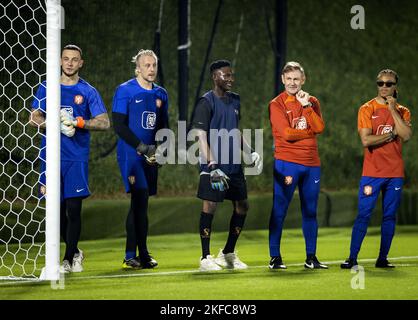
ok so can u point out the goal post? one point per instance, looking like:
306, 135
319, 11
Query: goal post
53, 141
30, 45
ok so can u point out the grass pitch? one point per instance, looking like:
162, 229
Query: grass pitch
177, 277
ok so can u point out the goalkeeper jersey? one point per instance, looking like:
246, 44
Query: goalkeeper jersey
80, 100
385, 160
219, 117
145, 116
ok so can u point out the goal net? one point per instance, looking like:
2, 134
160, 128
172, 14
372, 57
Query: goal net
23, 222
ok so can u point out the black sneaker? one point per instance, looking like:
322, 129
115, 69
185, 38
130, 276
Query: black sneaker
349, 263
277, 263
132, 263
147, 262
383, 263
313, 263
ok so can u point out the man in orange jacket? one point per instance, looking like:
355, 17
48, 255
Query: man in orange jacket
296, 119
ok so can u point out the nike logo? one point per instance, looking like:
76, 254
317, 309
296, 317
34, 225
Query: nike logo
309, 265
374, 117
316, 181
138, 101
396, 188
79, 190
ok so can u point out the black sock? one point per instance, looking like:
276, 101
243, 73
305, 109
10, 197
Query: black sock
73, 227
63, 221
205, 228
235, 227
139, 200
130, 248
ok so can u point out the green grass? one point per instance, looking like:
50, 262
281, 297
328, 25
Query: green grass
177, 276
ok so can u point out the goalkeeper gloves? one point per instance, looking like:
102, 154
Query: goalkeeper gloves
66, 127
218, 179
68, 119
257, 161
69, 131
148, 151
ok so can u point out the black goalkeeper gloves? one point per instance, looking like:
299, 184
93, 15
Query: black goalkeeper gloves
218, 179
148, 151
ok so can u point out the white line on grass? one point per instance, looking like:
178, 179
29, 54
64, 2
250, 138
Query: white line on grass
170, 273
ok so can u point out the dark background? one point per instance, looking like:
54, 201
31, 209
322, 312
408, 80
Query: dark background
341, 66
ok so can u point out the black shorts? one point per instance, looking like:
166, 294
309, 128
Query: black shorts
237, 189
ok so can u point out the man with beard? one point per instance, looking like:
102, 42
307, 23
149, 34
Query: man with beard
82, 110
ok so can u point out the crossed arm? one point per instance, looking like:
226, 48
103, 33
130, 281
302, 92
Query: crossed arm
401, 129
368, 139
280, 122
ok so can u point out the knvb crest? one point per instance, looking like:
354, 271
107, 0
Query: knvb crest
78, 99
383, 129
300, 123
149, 120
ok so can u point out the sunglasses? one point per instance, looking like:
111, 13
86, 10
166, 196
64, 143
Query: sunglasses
387, 84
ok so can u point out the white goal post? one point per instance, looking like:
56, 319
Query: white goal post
30, 45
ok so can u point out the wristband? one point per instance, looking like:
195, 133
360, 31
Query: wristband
308, 105
80, 122
212, 165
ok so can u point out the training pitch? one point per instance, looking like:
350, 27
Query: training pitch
177, 276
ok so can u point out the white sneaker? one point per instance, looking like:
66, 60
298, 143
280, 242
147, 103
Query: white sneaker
65, 267
230, 261
209, 264
78, 262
